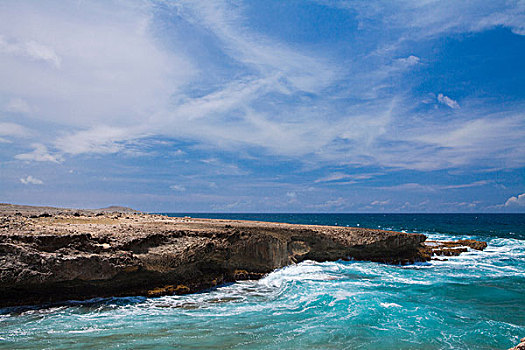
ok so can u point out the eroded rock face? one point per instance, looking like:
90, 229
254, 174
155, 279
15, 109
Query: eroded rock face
82, 254
75, 254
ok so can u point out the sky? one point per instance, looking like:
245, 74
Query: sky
264, 106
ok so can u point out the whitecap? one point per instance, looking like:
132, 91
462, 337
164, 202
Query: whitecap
86, 330
389, 305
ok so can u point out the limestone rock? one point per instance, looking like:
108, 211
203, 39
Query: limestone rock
78, 254
71, 254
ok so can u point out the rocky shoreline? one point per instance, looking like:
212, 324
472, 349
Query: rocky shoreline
51, 254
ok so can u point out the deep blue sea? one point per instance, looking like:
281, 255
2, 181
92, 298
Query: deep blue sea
473, 301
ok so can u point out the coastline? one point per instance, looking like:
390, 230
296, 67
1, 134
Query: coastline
54, 254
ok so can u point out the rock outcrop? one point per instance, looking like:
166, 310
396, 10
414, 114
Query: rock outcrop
84, 254
453, 248
520, 346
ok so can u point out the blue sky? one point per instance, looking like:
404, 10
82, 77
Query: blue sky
264, 106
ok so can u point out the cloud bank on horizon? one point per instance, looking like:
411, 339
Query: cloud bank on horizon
337, 106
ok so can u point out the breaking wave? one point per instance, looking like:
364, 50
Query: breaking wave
475, 300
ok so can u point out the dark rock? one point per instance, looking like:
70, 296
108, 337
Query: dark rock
471, 243
449, 251
452, 248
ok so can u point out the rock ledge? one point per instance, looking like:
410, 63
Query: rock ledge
72, 254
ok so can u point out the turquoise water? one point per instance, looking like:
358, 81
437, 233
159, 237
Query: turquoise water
474, 301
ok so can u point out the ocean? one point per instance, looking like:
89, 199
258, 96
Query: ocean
473, 301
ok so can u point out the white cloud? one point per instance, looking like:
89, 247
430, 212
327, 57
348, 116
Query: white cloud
178, 188
242, 205
112, 69
18, 105
42, 52
40, 154
447, 101
178, 153
221, 168
100, 139
380, 202
118, 78
492, 138
463, 204
30, 180
423, 19
409, 61
412, 186
332, 204
292, 197
516, 201
268, 57
341, 176
333, 177
128, 82
472, 184
30, 49
13, 129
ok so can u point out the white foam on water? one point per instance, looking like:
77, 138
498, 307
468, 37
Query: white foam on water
86, 330
347, 276
341, 295
305, 271
503, 257
389, 305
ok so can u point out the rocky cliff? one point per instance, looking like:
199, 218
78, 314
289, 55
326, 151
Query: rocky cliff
83, 254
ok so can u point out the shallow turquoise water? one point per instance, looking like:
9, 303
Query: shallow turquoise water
474, 301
